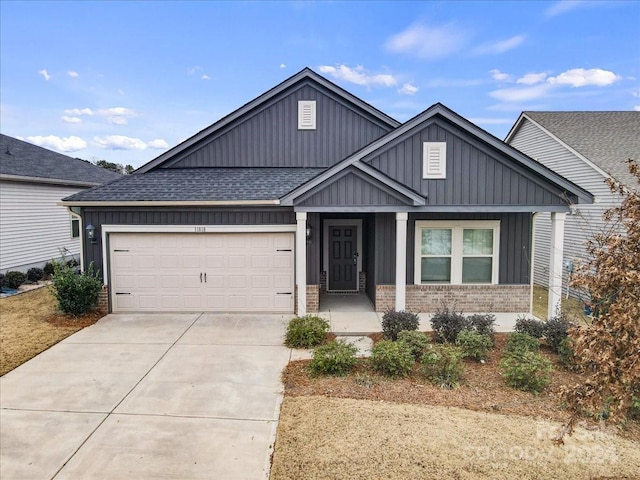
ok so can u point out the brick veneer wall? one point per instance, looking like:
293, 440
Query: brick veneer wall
313, 299
362, 282
103, 300
323, 282
466, 298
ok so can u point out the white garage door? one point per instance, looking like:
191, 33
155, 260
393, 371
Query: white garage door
221, 272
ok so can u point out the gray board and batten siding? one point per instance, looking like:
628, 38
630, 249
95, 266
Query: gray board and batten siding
476, 173
269, 135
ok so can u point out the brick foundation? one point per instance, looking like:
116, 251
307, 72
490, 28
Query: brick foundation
465, 298
362, 282
103, 300
313, 299
323, 282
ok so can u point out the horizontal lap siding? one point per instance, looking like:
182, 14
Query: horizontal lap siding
99, 217
476, 175
270, 137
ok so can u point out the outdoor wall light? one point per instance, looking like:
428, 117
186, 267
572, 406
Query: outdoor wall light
91, 233
308, 232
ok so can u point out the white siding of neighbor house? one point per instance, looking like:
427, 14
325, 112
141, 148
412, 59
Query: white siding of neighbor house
588, 219
33, 229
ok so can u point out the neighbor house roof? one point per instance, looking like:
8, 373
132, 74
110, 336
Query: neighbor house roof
23, 161
200, 185
607, 139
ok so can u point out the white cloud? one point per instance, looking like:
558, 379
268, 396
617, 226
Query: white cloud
73, 74
78, 111
66, 144
427, 42
68, 119
205, 77
579, 77
358, 75
119, 142
532, 78
158, 143
563, 6
500, 76
636, 108
499, 47
116, 115
408, 89
45, 74
193, 70
282, 65
521, 94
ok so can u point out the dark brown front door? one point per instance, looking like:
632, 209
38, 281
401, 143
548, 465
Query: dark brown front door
343, 257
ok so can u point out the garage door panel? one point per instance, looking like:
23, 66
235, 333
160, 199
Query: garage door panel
244, 271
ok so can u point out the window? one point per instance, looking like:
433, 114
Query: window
434, 160
462, 252
75, 227
306, 115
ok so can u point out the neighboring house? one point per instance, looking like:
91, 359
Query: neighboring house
586, 148
307, 189
33, 228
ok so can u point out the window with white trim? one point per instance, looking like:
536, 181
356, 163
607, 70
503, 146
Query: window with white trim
306, 115
456, 252
75, 227
434, 160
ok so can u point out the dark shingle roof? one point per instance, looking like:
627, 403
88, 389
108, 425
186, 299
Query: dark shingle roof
24, 159
200, 184
607, 139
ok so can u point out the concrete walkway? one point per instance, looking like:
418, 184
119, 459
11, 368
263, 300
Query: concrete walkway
148, 396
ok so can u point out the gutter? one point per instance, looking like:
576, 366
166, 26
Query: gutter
166, 203
54, 181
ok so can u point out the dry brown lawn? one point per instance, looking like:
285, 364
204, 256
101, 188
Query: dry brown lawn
572, 306
364, 425
29, 324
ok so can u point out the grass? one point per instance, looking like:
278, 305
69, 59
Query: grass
572, 306
30, 324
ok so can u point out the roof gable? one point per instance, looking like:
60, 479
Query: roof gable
23, 161
256, 133
603, 140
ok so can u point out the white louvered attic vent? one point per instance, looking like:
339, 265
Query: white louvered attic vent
434, 160
306, 115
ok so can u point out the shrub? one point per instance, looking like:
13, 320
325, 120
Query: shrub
306, 332
48, 269
473, 344
1, 280
417, 341
392, 358
442, 365
567, 354
335, 358
447, 324
527, 371
521, 342
395, 322
556, 330
13, 279
530, 326
75, 293
483, 324
35, 274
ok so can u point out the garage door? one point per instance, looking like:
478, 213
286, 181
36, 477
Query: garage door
220, 272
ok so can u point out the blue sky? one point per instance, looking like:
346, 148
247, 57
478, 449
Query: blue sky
124, 81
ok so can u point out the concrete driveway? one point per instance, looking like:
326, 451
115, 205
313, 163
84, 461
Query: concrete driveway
147, 396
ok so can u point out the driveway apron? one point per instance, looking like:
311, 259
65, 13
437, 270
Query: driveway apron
146, 396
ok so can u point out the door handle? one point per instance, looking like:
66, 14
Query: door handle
205, 277
355, 258
200, 277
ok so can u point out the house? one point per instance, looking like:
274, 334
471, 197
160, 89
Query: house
33, 228
586, 148
306, 190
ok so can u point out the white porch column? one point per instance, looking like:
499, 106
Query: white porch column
401, 260
301, 262
555, 262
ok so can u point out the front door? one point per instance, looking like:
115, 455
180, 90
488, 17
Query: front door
343, 257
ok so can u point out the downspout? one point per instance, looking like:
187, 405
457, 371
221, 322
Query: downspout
533, 253
81, 227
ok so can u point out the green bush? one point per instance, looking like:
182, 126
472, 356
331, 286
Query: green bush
335, 358
473, 344
556, 330
567, 354
395, 322
35, 274
306, 332
521, 342
76, 293
447, 324
1, 280
391, 358
48, 269
483, 324
527, 371
530, 326
417, 342
13, 279
442, 365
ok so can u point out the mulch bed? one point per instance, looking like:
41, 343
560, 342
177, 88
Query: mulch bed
66, 320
